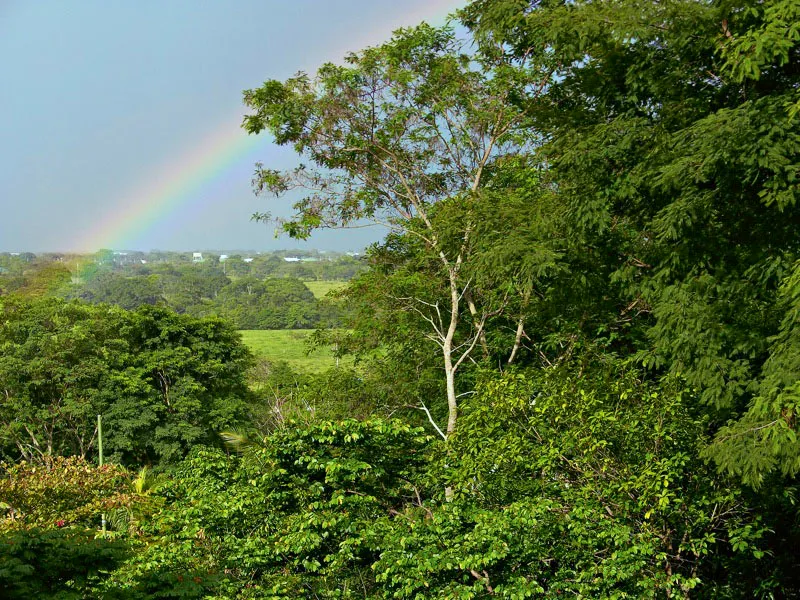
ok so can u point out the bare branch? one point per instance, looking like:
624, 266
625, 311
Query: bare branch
430, 418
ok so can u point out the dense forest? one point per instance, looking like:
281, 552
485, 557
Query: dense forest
577, 350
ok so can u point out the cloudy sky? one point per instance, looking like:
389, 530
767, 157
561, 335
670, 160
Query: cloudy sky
119, 120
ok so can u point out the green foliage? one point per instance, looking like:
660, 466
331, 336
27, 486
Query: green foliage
669, 135
42, 280
60, 492
69, 563
595, 218
127, 292
163, 382
188, 285
766, 47
202, 290
283, 397
589, 486
270, 304
50, 546
765, 437
377, 129
287, 518
573, 486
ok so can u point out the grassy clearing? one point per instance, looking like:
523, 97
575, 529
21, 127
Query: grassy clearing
288, 345
321, 288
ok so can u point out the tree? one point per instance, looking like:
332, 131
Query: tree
401, 135
275, 303
49, 542
52, 373
577, 480
44, 279
164, 382
127, 292
672, 136
290, 517
181, 382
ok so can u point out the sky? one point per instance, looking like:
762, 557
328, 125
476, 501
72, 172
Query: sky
120, 121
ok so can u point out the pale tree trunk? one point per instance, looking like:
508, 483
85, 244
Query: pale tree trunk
35, 448
449, 367
24, 451
474, 312
447, 352
526, 296
453, 268
452, 406
517, 339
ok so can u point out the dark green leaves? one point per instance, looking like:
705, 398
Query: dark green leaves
163, 382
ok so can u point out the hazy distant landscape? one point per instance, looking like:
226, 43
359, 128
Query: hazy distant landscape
270, 297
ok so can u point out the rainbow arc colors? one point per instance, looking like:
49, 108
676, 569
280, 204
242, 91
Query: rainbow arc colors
170, 188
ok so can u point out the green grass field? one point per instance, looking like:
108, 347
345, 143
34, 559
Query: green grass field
288, 345
320, 288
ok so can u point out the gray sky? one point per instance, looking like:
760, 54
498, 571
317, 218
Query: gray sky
112, 114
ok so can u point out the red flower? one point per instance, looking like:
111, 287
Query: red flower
60, 523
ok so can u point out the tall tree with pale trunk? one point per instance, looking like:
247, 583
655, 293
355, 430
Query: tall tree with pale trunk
403, 135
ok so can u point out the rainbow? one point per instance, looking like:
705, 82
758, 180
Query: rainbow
170, 188
179, 184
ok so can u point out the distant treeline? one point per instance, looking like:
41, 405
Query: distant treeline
261, 292
307, 265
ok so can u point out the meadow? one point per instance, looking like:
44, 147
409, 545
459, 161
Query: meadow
321, 288
289, 345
